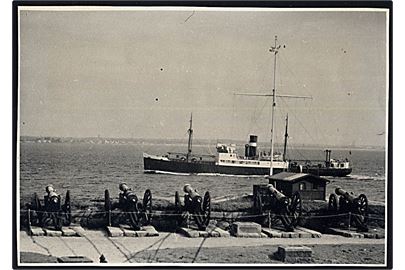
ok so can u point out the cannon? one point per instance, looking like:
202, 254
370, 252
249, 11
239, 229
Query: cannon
136, 213
196, 206
278, 206
348, 203
52, 213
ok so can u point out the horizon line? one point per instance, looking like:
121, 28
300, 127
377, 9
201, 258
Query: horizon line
179, 140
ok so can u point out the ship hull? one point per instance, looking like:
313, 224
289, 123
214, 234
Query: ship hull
152, 165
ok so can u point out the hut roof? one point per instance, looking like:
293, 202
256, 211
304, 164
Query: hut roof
295, 177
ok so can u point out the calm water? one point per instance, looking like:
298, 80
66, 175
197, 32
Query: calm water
88, 169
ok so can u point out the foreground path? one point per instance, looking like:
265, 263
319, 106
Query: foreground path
126, 249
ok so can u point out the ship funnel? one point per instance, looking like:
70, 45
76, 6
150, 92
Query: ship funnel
251, 147
327, 158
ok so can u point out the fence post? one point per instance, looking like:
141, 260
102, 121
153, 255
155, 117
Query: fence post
269, 217
29, 217
109, 217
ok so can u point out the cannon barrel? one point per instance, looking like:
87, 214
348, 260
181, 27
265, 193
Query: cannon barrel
345, 194
123, 187
279, 196
53, 194
127, 194
53, 197
190, 191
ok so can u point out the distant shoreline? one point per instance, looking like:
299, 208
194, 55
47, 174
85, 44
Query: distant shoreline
179, 142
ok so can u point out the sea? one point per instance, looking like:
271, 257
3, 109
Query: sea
87, 169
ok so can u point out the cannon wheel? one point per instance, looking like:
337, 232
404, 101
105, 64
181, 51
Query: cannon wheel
36, 204
295, 208
107, 206
333, 203
207, 208
147, 205
360, 211
286, 213
177, 203
363, 206
178, 208
35, 217
202, 214
68, 208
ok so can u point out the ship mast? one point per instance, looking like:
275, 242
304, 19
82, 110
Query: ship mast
190, 137
274, 49
285, 138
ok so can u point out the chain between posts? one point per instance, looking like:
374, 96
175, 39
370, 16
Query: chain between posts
191, 215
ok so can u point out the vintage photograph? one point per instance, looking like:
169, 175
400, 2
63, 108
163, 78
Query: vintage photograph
202, 136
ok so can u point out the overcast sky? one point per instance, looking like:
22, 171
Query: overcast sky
140, 74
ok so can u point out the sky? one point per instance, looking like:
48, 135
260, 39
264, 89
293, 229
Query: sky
141, 73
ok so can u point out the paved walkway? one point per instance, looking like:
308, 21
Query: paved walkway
121, 249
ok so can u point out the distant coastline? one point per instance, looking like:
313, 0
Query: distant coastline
178, 142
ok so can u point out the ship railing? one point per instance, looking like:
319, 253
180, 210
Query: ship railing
183, 154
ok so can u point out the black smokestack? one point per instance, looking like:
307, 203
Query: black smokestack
251, 147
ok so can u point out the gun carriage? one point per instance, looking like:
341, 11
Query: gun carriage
135, 212
195, 206
344, 202
52, 213
267, 199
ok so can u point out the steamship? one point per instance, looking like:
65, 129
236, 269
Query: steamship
254, 162
328, 167
226, 161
